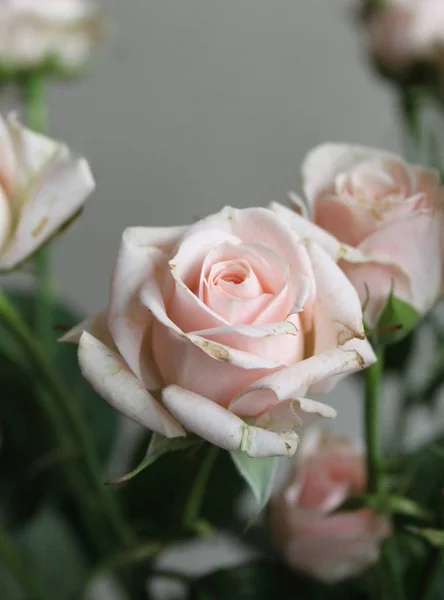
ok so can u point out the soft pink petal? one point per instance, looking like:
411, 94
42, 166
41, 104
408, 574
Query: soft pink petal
96, 325
365, 355
295, 381
339, 546
33, 151
195, 362
309, 231
8, 163
325, 162
58, 195
348, 223
298, 205
129, 320
292, 415
284, 339
111, 378
414, 244
218, 426
374, 282
337, 313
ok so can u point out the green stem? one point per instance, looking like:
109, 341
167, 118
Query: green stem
12, 559
194, 503
371, 425
33, 90
56, 389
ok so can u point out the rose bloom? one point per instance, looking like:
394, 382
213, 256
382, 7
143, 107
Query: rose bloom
42, 187
380, 217
403, 33
315, 539
37, 32
235, 321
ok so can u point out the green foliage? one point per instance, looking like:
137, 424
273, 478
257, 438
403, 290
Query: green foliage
158, 446
258, 473
266, 580
163, 489
397, 320
101, 418
48, 547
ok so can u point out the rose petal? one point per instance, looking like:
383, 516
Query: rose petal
420, 258
295, 381
96, 325
307, 230
111, 378
218, 426
322, 165
130, 321
62, 191
337, 313
296, 414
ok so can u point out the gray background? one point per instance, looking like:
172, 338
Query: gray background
201, 103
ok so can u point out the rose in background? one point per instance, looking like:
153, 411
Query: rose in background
380, 218
312, 537
235, 320
34, 33
403, 34
42, 187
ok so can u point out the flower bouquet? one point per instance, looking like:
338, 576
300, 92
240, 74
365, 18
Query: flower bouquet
221, 339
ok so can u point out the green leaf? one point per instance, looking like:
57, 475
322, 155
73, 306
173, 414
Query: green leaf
100, 416
397, 355
396, 321
172, 477
159, 445
26, 446
393, 504
435, 537
258, 473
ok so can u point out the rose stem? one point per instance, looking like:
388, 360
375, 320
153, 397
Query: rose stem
371, 424
33, 91
28, 580
43, 369
375, 474
194, 503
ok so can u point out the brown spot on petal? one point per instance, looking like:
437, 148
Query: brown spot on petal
287, 445
348, 334
360, 360
40, 227
218, 352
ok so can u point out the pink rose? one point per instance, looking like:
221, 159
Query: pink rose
34, 32
315, 539
235, 321
380, 217
404, 32
41, 189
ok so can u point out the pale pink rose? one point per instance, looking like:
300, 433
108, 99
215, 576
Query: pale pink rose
315, 539
380, 217
42, 187
35, 32
235, 321
404, 32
